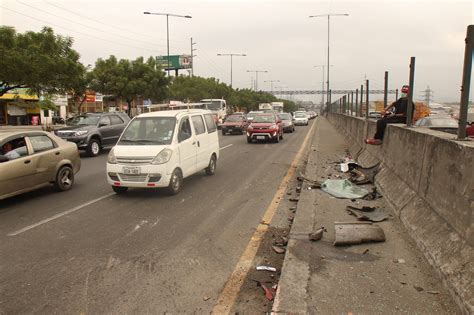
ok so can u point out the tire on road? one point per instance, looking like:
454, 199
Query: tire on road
211, 168
249, 139
64, 178
176, 182
93, 147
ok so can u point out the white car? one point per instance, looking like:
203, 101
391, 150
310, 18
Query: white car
301, 119
160, 149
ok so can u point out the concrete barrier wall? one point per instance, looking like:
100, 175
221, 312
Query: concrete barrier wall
428, 179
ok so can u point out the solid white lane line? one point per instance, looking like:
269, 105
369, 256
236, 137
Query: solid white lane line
229, 145
57, 216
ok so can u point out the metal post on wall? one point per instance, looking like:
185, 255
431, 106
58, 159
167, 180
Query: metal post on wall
357, 102
385, 90
366, 98
361, 99
396, 94
466, 82
352, 103
345, 104
410, 92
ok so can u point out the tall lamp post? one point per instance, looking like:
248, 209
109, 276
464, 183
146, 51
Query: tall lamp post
322, 86
328, 16
256, 77
231, 56
271, 84
168, 32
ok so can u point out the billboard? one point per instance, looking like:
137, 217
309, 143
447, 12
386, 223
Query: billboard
176, 62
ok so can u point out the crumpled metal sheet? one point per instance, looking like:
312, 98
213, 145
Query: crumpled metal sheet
352, 233
376, 215
343, 188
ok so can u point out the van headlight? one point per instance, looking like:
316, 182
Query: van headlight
111, 159
163, 157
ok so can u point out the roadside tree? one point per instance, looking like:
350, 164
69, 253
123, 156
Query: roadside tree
43, 62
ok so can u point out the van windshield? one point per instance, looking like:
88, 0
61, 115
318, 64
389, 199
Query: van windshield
149, 130
214, 105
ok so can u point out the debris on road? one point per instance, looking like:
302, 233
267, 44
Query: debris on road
352, 233
374, 215
282, 241
314, 183
268, 293
417, 288
206, 298
266, 268
348, 165
298, 189
358, 178
374, 194
343, 188
433, 292
316, 236
294, 199
278, 249
399, 261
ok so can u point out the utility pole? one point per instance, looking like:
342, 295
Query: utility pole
271, 84
192, 56
256, 77
231, 56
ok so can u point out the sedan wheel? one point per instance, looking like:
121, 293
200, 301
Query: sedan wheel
64, 179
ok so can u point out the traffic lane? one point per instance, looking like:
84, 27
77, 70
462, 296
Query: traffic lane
144, 251
90, 183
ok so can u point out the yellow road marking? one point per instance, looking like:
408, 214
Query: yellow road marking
228, 296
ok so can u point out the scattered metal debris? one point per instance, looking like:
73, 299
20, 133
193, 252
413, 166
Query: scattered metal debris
278, 249
294, 199
351, 233
374, 214
374, 194
266, 268
433, 292
206, 298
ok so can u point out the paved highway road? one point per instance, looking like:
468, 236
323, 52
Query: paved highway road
89, 250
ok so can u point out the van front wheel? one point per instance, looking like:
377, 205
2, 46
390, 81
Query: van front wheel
176, 182
211, 168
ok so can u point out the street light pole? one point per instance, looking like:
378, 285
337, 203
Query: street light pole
271, 84
231, 56
256, 77
328, 16
322, 86
168, 32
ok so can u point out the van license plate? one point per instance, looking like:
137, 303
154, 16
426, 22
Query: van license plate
261, 137
131, 170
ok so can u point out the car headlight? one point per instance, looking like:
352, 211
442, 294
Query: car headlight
111, 159
163, 157
80, 133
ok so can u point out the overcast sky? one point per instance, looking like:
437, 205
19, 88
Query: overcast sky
277, 36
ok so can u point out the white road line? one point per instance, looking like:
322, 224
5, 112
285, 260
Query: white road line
226, 147
57, 216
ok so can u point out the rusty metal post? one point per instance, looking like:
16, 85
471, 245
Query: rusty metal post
385, 90
357, 102
410, 92
361, 99
396, 94
352, 102
366, 98
466, 82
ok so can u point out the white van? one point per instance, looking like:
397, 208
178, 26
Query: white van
160, 149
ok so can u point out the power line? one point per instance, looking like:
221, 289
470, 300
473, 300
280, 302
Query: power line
109, 25
85, 34
82, 24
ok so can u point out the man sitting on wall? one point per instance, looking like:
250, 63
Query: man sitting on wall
394, 114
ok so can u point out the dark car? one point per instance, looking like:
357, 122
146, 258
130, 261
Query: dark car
287, 121
93, 131
265, 127
234, 124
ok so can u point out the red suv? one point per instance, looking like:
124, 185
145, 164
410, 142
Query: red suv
265, 127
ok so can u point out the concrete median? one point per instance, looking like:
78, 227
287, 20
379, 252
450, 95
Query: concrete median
427, 178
